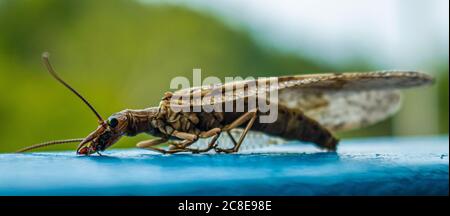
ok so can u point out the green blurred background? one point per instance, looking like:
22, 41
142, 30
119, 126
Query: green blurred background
123, 54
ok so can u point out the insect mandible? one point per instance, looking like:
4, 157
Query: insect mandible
310, 109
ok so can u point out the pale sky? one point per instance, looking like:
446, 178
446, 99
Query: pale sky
395, 34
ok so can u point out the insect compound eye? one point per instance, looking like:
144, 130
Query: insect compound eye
113, 122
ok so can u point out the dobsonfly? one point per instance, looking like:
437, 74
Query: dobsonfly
310, 108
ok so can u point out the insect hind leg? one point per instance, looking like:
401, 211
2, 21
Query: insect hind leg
251, 118
231, 138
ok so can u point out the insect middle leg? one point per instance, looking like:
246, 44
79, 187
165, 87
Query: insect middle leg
184, 135
212, 144
250, 117
149, 144
183, 145
205, 134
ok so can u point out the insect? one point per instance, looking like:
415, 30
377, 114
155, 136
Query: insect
310, 108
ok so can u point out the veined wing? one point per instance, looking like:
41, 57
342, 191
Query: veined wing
253, 140
343, 110
331, 82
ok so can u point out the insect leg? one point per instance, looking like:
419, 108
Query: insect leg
181, 145
210, 133
241, 120
212, 144
184, 135
249, 115
148, 143
172, 149
232, 138
205, 134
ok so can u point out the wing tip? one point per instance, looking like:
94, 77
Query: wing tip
423, 78
414, 78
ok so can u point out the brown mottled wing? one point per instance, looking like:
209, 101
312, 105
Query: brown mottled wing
331, 82
352, 100
381, 80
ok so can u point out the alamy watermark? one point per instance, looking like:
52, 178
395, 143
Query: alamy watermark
235, 94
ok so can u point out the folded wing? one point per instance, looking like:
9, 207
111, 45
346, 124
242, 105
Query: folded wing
343, 110
339, 101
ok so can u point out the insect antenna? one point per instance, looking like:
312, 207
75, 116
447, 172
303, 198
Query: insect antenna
55, 142
45, 59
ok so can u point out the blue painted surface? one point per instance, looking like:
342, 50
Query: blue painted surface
379, 166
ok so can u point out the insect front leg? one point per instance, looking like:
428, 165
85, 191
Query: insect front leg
149, 143
170, 151
250, 117
173, 149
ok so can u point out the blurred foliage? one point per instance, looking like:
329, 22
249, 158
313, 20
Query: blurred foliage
119, 54
442, 83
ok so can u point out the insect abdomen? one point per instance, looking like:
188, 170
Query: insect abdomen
292, 124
